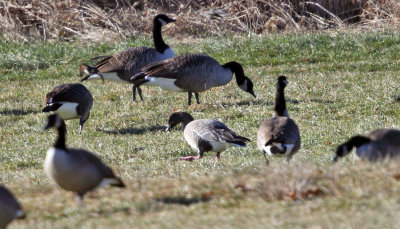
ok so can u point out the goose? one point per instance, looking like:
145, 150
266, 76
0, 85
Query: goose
377, 145
9, 207
205, 135
279, 135
70, 101
75, 170
122, 65
192, 73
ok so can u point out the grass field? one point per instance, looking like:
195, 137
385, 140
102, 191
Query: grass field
340, 84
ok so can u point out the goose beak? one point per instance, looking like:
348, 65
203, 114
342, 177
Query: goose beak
168, 128
252, 93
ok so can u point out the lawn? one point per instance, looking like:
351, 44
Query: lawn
340, 84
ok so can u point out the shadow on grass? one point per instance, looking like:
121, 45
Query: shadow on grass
18, 112
132, 131
183, 200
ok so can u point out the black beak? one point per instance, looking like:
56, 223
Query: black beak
252, 93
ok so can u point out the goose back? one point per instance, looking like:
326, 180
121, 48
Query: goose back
191, 72
385, 143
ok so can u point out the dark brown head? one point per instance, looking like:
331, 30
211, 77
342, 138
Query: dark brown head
179, 117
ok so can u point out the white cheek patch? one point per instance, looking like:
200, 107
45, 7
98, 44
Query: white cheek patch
243, 86
162, 21
86, 71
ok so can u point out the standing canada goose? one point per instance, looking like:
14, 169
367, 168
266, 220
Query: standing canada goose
122, 65
75, 170
205, 135
279, 135
377, 145
9, 207
192, 73
70, 101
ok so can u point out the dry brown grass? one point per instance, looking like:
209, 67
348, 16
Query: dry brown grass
102, 20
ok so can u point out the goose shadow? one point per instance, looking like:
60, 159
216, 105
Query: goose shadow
134, 131
183, 200
18, 112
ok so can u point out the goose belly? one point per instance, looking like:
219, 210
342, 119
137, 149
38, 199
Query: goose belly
113, 76
219, 146
67, 110
68, 174
164, 83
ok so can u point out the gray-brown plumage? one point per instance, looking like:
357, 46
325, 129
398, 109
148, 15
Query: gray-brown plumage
75, 170
192, 73
377, 145
279, 135
123, 65
205, 134
70, 101
10, 208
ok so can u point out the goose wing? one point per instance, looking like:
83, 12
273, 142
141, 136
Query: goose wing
74, 92
280, 130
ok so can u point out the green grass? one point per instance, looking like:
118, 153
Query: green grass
340, 84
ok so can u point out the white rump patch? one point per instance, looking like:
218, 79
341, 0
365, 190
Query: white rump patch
107, 181
168, 53
289, 148
164, 83
67, 110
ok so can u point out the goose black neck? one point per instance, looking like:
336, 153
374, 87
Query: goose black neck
60, 142
186, 119
280, 102
357, 141
236, 68
159, 43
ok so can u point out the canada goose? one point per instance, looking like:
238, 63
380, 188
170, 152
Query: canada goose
378, 144
279, 135
9, 207
75, 170
192, 73
70, 101
205, 134
122, 65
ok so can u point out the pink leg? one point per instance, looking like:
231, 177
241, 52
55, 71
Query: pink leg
190, 158
218, 155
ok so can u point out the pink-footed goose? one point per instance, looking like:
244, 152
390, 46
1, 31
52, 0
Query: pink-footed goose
205, 135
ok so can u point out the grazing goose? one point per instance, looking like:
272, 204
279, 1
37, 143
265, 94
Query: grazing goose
75, 170
205, 135
122, 65
70, 101
279, 135
377, 145
9, 207
192, 73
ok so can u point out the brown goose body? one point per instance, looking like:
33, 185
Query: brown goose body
206, 135
10, 208
123, 65
75, 170
192, 73
70, 101
279, 135
379, 144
